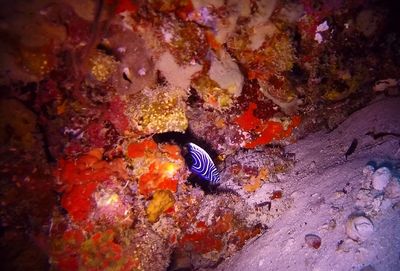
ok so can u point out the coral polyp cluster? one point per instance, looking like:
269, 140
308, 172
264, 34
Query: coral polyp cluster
102, 66
212, 93
37, 61
161, 113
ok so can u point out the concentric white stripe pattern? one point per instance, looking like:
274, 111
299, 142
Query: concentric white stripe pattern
203, 164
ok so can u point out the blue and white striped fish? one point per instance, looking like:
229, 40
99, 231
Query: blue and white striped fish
202, 164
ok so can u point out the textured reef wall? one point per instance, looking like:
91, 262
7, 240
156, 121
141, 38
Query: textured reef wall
89, 88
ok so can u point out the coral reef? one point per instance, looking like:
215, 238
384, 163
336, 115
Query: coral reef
92, 89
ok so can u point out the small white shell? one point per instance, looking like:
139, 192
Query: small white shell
381, 178
313, 241
359, 227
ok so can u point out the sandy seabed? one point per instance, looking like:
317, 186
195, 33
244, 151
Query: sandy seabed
327, 189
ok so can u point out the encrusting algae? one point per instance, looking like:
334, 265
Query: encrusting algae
161, 202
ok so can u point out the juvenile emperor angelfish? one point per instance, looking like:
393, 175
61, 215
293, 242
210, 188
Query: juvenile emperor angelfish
202, 164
